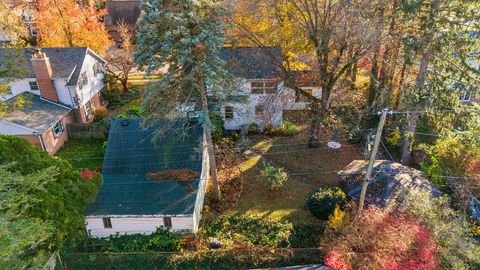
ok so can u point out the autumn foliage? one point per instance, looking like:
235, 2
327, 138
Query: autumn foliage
64, 23
381, 240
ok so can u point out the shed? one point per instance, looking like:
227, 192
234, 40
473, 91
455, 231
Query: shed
389, 180
131, 200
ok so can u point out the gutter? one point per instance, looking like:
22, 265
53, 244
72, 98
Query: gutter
42, 143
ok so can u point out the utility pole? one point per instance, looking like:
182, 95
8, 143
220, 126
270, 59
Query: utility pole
371, 162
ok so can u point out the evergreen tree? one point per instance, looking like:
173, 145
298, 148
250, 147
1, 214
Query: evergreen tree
187, 36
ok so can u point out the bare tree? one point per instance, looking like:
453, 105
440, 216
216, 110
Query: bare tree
120, 59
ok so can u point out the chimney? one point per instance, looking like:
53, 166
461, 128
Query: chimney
43, 73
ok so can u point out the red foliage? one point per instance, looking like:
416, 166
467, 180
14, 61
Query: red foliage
381, 240
473, 168
87, 174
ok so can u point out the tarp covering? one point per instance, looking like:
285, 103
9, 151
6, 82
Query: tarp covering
132, 153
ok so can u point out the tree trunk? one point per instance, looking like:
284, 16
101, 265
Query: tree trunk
373, 91
124, 83
421, 78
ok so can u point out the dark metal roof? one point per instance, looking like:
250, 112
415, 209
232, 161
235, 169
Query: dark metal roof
36, 114
389, 180
65, 62
126, 11
253, 62
131, 154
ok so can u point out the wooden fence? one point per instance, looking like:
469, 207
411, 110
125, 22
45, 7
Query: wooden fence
86, 131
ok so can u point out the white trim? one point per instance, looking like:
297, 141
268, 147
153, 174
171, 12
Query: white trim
54, 103
24, 127
96, 55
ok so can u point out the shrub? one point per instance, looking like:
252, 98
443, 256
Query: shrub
253, 128
273, 177
322, 203
134, 111
286, 129
218, 126
337, 219
161, 240
233, 229
380, 239
100, 113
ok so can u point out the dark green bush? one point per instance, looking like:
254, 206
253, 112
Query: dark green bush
306, 235
134, 111
248, 230
161, 240
218, 126
322, 202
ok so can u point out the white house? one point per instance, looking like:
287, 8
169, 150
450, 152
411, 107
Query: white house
66, 78
132, 199
261, 93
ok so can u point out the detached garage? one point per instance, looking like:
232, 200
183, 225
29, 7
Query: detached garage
150, 184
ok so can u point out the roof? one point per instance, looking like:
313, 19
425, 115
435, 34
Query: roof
389, 180
37, 114
128, 11
131, 155
66, 62
253, 62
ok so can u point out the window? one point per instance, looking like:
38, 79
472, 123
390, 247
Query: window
466, 96
33, 31
263, 87
167, 222
97, 68
88, 110
33, 86
58, 129
259, 110
84, 78
107, 222
228, 112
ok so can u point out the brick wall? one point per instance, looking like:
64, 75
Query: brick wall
80, 113
51, 143
43, 73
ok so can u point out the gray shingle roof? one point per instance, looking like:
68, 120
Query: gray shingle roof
128, 11
253, 62
131, 155
389, 180
64, 61
36, 114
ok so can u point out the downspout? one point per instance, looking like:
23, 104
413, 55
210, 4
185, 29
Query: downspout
42, 144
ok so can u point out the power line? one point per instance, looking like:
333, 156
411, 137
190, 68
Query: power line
436, 111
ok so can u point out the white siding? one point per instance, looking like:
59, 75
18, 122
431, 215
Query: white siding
132, 225
244, 112
289, 98
202, 188
63, 93
95, 84
18, 87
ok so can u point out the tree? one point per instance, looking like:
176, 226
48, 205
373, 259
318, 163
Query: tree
186, 35
120, 61
65, 23
11, 23
43, 189
333, 34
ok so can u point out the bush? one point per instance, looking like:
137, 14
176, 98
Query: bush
161, 240
381, 239
286, 129
233, 229
337, 219
100, 113
272, 177
306, 235
134, 111
322, 203
218, 126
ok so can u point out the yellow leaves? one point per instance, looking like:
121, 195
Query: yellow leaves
337, 219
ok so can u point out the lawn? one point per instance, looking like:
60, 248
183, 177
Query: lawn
83, 153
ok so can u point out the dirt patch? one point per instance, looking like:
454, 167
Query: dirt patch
181, 175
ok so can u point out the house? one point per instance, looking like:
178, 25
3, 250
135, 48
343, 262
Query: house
54, 80
307, 80
390, 180
26, 10
140, 191
260, 84
118, 12
259, 80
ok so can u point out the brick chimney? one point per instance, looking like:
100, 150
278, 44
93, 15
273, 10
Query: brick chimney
43, 73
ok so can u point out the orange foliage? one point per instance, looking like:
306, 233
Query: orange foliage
63, 23
181, 175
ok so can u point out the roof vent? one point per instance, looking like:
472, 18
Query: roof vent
125, 122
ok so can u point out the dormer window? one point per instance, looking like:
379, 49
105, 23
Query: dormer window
263, 87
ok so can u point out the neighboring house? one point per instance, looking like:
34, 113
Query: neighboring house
68, 78
121, 11
389, 181
259, 81
26, 10
130, 200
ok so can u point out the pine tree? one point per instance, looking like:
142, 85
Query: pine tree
186, 35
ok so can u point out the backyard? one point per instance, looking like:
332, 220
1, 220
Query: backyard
83, 153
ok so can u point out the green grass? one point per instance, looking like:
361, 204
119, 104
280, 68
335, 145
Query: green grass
83, 153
